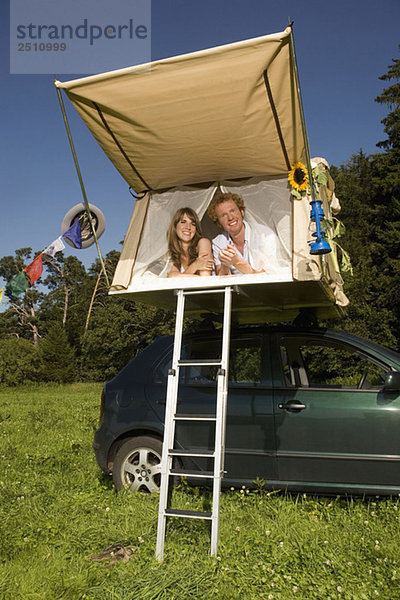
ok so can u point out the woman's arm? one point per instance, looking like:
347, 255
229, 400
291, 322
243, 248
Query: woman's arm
205, 259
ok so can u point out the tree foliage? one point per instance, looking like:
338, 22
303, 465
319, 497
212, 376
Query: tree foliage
19, 361
369, 188
57, 357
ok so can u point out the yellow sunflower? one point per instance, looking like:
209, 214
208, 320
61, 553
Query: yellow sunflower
298, 177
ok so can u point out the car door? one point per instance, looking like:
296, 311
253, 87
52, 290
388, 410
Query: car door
334, 424
250, 444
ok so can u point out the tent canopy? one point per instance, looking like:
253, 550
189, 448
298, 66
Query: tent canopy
228, 112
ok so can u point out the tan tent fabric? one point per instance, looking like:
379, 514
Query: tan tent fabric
222, 113
123, 272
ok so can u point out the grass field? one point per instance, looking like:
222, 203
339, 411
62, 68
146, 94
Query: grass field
58, 510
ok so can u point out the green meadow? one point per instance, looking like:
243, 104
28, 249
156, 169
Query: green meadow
59, 513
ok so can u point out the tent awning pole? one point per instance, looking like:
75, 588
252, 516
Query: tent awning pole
302, 118
78, 170
320, 245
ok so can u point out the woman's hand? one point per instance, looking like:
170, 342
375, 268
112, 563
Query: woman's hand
204, 262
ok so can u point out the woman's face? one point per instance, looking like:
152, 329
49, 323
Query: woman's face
185, 228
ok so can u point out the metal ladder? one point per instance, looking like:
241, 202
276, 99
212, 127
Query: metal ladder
171, 417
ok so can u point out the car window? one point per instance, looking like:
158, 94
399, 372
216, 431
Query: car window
245, 361
316, 363
244, 364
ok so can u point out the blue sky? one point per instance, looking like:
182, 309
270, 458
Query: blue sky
342, 47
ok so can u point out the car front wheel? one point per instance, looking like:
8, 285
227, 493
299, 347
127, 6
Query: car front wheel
137, 465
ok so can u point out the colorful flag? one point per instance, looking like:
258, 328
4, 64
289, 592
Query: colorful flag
1, 294
35, 269
74, 234
18, 285
54, 247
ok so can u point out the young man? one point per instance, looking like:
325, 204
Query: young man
231, 248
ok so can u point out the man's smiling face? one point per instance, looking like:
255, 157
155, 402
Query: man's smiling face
230, 217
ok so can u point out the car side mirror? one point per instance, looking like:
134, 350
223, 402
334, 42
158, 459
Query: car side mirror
392, 382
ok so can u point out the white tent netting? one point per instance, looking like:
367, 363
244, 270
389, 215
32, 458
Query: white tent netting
269, 253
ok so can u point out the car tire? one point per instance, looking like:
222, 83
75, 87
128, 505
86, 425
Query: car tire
137, 465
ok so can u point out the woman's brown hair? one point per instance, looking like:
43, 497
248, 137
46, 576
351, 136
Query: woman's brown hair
174, 243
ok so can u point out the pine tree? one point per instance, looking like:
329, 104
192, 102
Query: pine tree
57, 357
391, 97
369, 188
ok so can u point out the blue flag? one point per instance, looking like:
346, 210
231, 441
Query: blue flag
74, 234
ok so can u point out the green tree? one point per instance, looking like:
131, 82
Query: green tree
19, 362
57, 360
391, 97
21, 319
369, 188
117, 332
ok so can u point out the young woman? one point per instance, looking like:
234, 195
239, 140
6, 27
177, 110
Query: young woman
190, 253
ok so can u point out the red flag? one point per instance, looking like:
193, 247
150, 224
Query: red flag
35, 269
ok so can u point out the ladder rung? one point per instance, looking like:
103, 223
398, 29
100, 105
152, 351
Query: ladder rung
196, 362
194, 417
189, 514
201, 474
204, 292
205, 453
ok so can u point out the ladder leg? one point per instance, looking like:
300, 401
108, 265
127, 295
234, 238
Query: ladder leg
169, 426
222, 395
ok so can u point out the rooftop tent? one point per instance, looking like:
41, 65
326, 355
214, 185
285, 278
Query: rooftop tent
178, 129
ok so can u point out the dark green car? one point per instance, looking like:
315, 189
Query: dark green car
314, 410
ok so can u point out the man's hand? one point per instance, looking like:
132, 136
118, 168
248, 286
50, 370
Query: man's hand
228, 255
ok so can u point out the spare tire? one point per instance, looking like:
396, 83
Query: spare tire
79, 212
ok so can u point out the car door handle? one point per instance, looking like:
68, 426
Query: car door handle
292, 405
